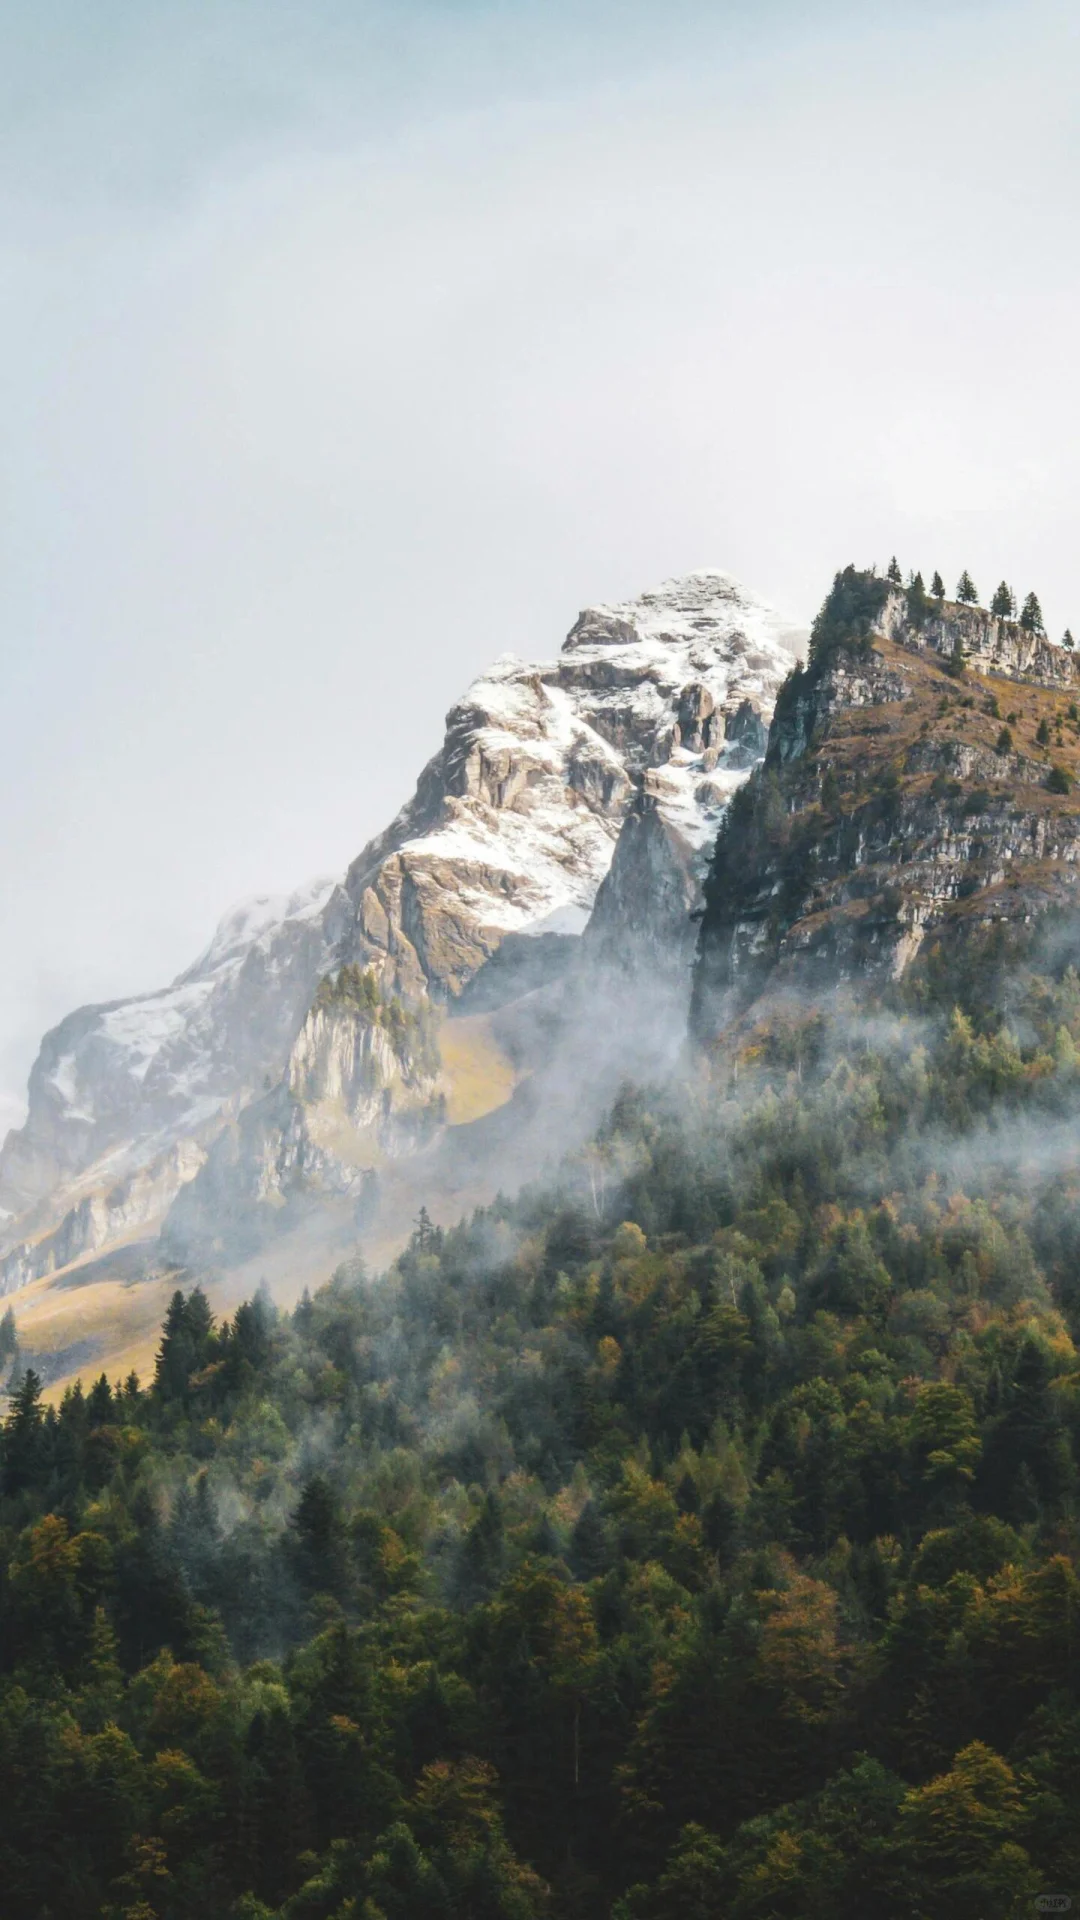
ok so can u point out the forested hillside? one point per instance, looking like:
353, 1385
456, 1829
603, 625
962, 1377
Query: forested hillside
695, 1538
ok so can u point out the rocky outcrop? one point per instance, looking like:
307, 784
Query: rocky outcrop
989, 644
894, 812
810, 699
364, 1082
514, 823
115, 1086
132, 1209
642, 923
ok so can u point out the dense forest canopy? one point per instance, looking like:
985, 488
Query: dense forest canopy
697, 1537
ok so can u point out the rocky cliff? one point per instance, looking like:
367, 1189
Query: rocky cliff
513, 824
473, 897
917, 797
654, 711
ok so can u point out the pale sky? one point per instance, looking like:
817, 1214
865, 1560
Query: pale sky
345, 346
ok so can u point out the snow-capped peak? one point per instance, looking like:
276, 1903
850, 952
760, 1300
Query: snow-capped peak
255, 919
511, 830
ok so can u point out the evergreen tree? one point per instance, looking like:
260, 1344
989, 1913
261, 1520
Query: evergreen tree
848, 613
590, 1549
426, 1235
966, 591
892, 572
1003, 604
1067, 640
25, 1438
482, 1556
918, 606
1031, 616
99, 1403
318, 1548
102, 1692
186, 1346
937, 587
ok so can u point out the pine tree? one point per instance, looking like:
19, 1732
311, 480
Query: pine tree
937, 587
25, 1440
318, 1547
426, 1237
966, 591
918, 606
99, 1403
1067, 640
1031, 618
1003, 604
1042, 732
892, 573
102, 1692
186, 1343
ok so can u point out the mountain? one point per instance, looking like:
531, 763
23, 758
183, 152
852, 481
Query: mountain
748, 1433
916, 812
117, 1090
353, 1026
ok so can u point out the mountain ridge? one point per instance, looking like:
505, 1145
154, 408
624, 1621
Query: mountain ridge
655, 703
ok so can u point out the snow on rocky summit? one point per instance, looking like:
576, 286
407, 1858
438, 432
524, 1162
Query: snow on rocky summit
512, 829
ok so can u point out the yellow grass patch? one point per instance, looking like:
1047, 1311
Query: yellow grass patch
479, 1075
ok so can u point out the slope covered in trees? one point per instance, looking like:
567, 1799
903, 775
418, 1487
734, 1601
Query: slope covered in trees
695, 1537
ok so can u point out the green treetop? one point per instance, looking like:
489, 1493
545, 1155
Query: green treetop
1031, 617
1003, 603
966, 591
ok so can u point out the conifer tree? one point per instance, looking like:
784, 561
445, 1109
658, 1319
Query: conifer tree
102, 1693
937, 586
1067, 640
99, 1403
1031, 617
24, 1438
917, 604
966, 591
892, 572
1003, 604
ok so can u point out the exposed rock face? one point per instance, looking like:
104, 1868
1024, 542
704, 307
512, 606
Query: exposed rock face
124, 1211
507, 838
990, 645
117, 1091
641, 923
513, 824
885, 818
364, 1081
